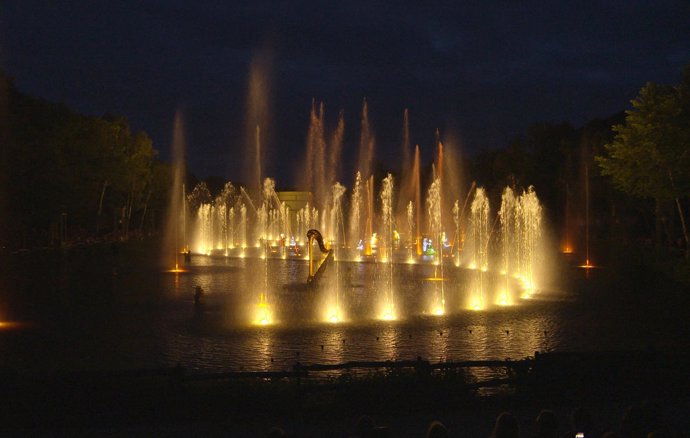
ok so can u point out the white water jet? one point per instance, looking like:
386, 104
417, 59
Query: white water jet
355, 211
530, 221
434, 209
480, 240
386, 196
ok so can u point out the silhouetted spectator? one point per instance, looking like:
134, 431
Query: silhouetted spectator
367, 429
547, 424
580, 422
276, 432
436, 430
506, 426
610, 435
638, 421
365, 426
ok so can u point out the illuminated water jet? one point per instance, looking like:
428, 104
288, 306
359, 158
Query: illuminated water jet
480, 244
387, 246
435, 217
483, 263
264, 314
174, 240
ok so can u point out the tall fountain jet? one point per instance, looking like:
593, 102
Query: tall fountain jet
530, 212
387, 239
322, 163
356, 212
174, 241
366, 144
335, 149
264, 312
334, 309
480, 242
417, 199
510, 238
436, 228
314, 174
405, 189
258, 119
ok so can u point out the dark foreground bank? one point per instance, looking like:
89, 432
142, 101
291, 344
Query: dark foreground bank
401, 398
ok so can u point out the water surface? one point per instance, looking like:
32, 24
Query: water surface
103, 308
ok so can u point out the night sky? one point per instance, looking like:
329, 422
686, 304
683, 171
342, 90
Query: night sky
479, 71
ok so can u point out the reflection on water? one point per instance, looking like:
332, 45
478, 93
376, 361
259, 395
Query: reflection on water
73, 312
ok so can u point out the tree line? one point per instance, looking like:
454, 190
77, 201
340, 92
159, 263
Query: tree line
68, 176
631, 171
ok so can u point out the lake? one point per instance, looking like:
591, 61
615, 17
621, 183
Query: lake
99, 307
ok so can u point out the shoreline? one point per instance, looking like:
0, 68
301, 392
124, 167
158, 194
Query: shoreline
402, 396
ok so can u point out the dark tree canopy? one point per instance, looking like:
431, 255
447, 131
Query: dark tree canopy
650, 154
63, 169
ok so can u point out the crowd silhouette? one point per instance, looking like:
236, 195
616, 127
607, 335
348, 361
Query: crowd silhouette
638, 421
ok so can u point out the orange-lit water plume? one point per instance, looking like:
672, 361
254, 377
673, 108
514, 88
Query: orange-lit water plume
9, 325
567, 248
417, 199
175, 230
264, 314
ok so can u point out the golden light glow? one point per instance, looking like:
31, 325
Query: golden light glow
528, 287
264, 315
504, 298
567, 249
388, 313
9, 325
476, 303
527, 283
177, 269
587, 265
439, 310
333, 315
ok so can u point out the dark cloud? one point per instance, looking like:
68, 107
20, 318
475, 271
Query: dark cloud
482, 69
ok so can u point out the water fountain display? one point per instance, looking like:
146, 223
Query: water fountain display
416, 268
468, 258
